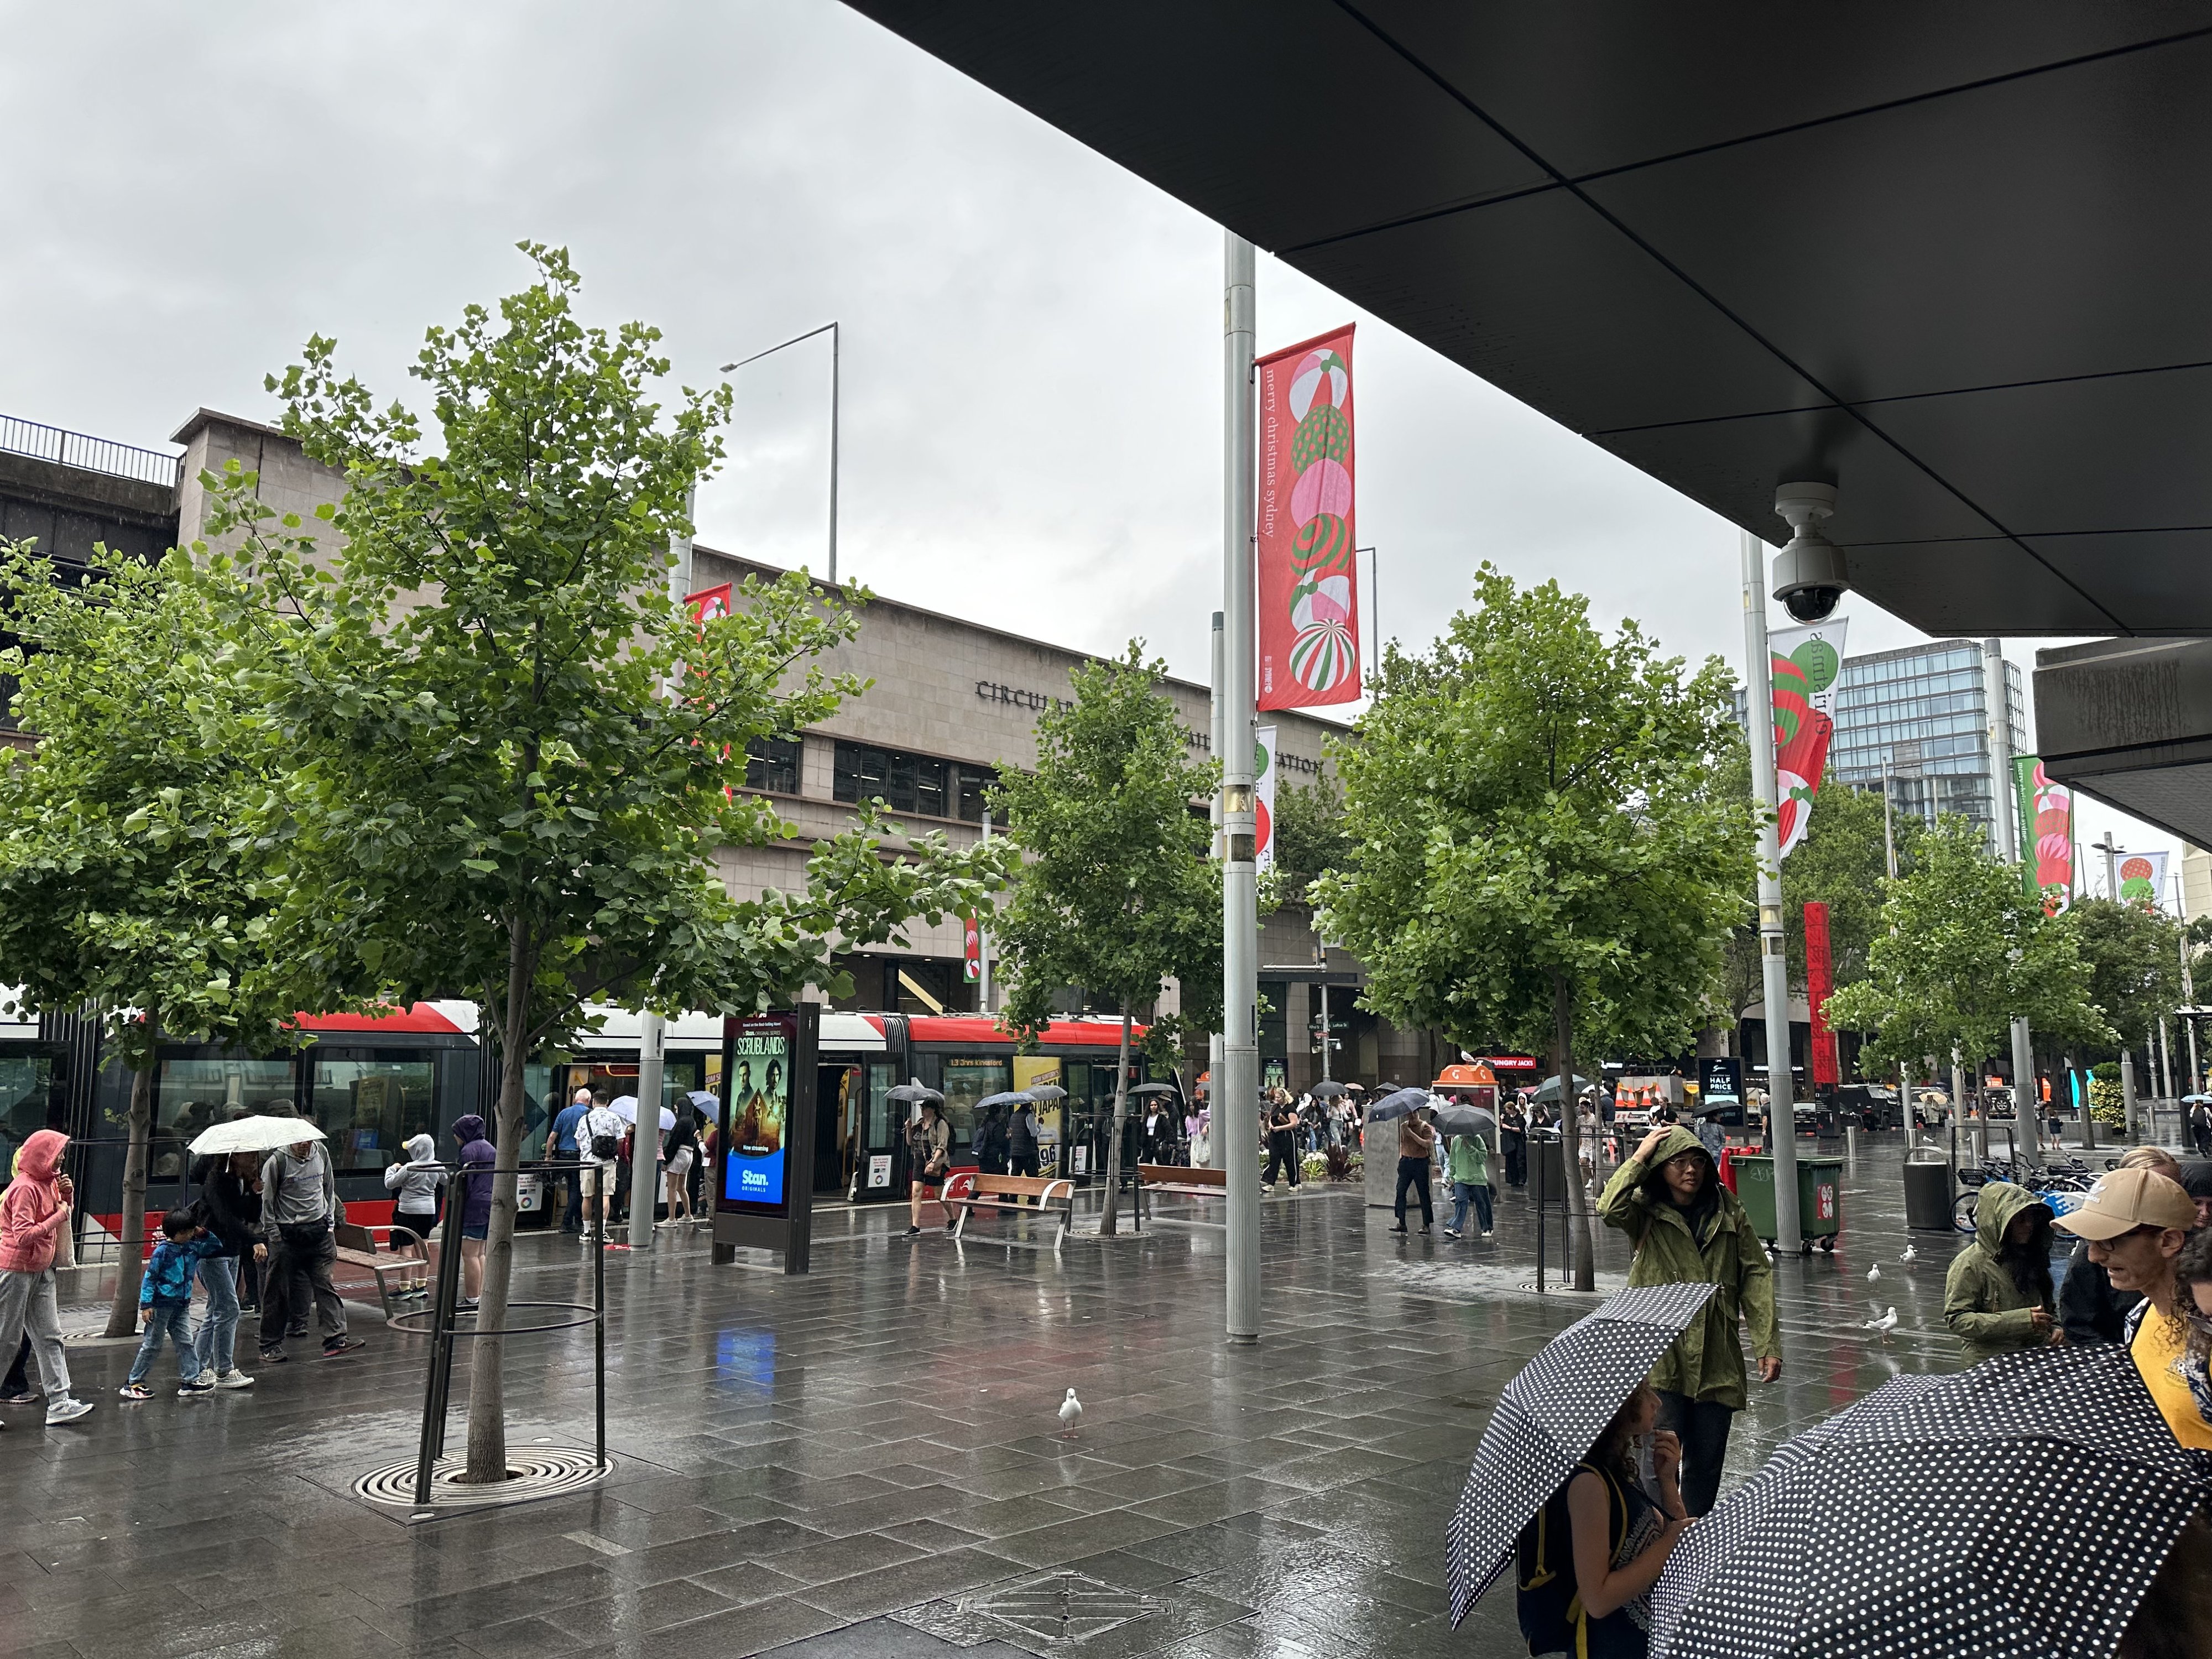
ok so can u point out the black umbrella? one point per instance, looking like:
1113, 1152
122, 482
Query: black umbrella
1328, 1089
1154, 1089
1400, 1104
1546, 1420
1457, 1119
2021, 1508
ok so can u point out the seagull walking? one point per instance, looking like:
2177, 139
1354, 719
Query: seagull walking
1874, 1273
1071, 1410
1886, 1324
1910, 1251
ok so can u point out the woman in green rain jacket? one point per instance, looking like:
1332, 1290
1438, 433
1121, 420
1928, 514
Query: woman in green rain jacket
1687, 1228
1997, 1295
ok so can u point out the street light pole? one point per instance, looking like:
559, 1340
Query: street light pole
836, 375
1997, 692
1236, 1104
1781, 1105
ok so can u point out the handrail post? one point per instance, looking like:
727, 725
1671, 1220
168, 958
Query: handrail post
432, 1444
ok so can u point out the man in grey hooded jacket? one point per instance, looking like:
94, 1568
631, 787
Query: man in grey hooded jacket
299, 1209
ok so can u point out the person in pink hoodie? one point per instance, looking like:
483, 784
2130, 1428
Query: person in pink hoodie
32, 1212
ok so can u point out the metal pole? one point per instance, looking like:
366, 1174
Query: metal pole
1889, 829
2195, 1078
2128, 1092
983, 946
600, 1334
1324, 1014
1220, 851
1997, 692
2111, 868
1236, 1100
437, 1392
1374, 602
1781, 1107
837, 368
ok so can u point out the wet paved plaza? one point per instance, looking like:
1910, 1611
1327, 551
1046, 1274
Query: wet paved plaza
866, 1461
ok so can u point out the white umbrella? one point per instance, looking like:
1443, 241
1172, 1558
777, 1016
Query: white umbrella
253, 1134
625, 1108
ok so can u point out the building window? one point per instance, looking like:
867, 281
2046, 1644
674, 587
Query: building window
910, 783
772, 764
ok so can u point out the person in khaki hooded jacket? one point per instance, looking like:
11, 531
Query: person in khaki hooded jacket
1997, 1296
1687, 1228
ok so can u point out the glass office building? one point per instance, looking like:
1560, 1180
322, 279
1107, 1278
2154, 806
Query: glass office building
1922, 709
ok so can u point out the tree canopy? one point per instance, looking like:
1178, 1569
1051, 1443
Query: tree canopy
131, 878
1962, 950
1115, 892
515, 755
1544, 848
2134, 956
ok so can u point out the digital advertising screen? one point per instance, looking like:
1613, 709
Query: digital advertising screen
761, 1082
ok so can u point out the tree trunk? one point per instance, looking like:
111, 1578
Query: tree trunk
487, 1394
130, 1255
1109, 1217
1583, 1246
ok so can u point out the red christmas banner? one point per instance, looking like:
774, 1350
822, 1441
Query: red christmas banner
1309, 576
1819, 981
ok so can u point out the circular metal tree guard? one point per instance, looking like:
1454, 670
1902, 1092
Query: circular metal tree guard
537, 1471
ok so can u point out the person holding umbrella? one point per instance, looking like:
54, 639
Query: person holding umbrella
1687, 1228
1593, 1597
929, 1155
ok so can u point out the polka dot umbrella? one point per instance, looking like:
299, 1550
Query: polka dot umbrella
1546, 1420
2018, 1510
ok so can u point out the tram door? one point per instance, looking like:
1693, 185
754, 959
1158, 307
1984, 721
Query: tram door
838, 1093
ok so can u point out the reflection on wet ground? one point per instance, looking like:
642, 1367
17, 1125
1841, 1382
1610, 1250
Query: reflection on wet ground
869, 1456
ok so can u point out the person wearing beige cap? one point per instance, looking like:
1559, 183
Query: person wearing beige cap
2136, 1222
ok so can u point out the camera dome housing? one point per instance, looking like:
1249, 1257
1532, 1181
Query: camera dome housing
1810, 576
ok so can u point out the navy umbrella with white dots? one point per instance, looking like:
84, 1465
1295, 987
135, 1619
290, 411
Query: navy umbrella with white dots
2017, 1511
1548, 1417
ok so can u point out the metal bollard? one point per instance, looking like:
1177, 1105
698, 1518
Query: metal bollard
1851, 1146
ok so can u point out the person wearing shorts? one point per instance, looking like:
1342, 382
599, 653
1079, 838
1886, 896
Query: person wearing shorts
682, 1151
478, 1157
414, 1213
929, 1154
598, 1139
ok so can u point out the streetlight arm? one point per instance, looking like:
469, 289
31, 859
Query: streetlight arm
772, 351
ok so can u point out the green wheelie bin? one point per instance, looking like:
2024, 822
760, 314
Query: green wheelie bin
1819, 1197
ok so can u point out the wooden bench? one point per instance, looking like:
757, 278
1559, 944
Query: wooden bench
1182, 1177
968, 1191
357, 1247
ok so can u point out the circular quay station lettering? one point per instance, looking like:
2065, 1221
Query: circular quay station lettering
1017, 696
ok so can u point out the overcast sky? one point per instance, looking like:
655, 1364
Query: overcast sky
1031, 401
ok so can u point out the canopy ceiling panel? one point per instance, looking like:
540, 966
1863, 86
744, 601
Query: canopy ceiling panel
1735, 244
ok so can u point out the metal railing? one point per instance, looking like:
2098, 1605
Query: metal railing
90, 455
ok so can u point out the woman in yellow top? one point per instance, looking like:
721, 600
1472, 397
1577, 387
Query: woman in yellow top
2136, 1222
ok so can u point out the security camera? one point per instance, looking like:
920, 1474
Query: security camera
1809, 576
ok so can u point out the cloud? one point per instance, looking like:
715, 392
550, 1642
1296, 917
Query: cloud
1031, 337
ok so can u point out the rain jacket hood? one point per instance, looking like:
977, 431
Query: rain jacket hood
1706, 1361
422, 1150
476, 1183
1982, 1304
32, 1213
418, 1181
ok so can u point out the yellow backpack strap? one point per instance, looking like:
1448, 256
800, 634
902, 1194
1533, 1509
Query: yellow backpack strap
1543, 1574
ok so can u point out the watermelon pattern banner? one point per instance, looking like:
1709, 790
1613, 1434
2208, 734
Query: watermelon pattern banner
1807, 664
2046, 834
1309, 573
1263, 806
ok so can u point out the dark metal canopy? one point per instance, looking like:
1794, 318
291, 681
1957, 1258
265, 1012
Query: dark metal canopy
1952, 259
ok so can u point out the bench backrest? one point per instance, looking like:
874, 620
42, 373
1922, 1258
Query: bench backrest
1181, 1175
999, 1186
349, 1236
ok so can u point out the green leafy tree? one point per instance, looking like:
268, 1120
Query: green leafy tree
1117, 892
516, 756
130, 881
1310, 834
1546, 851
2134, 956
1962, 950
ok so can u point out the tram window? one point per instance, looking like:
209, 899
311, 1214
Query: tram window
194, 1094
883, 1078
25, 1078
369, 1102
969, 1079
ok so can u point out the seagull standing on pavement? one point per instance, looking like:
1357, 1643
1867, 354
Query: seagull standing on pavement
1874, 1273
1071, 1410
1886, 1324
1910, 1251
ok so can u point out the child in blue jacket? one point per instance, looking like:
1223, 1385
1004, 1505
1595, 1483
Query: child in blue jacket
165, 1299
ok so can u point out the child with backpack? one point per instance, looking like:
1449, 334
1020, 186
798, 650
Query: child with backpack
165, 1300
1589, 1558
